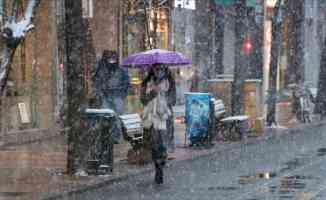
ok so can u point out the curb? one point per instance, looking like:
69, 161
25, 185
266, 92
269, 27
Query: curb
88, 187
93, 186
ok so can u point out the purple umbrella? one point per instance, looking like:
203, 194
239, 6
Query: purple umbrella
156, 56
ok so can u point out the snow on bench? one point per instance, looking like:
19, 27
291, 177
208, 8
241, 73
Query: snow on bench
219, 108
100, 111
235, 118
133, 126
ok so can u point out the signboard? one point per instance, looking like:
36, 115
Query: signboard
190, 4
178, 3
249, 3
187, 4
225, 2
23, 113
256, 4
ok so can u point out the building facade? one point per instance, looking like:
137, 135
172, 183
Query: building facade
314, 36
303, 33
31, 97
201, 29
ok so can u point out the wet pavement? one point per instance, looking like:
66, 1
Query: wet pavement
289, 166
32, 170
29, 168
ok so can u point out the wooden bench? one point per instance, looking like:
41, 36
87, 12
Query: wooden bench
219, 108
133, 131
231, 127
132, 128
236, 127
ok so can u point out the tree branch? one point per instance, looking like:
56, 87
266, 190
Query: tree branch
5, 61
20, 28
14, 9
162, 2
11, 35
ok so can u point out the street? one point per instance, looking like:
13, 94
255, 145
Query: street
290, 166
230, 94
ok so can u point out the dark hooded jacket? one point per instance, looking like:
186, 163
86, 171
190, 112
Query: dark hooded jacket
110, 81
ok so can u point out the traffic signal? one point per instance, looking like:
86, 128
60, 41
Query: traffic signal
248, 46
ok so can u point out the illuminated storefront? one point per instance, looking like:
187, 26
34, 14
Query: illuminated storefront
143, 28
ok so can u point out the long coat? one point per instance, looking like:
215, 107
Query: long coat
153, 135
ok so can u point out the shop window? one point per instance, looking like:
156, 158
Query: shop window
162, 28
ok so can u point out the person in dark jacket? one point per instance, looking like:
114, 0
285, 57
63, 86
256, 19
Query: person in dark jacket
111, 84
155, 91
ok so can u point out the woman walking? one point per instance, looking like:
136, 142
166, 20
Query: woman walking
154, 96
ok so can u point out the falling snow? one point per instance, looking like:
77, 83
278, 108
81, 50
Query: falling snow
162, 99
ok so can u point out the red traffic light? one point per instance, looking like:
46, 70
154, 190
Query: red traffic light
248, 46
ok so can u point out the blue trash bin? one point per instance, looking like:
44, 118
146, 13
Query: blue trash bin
198, 116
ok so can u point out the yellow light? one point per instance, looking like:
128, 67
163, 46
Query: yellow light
136, 81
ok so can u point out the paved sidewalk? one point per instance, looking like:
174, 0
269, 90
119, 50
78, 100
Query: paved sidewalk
34, 171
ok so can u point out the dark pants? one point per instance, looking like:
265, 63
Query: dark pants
158, 172
158, 154
170, 144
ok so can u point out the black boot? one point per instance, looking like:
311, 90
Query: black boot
158, 173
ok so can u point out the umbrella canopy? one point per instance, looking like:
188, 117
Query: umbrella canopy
156, 56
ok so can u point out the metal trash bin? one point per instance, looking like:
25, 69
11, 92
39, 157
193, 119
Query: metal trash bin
95, 142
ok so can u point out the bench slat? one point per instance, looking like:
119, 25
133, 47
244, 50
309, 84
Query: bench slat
132, 121
219, 108
133, 125
130, 116
236, 118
